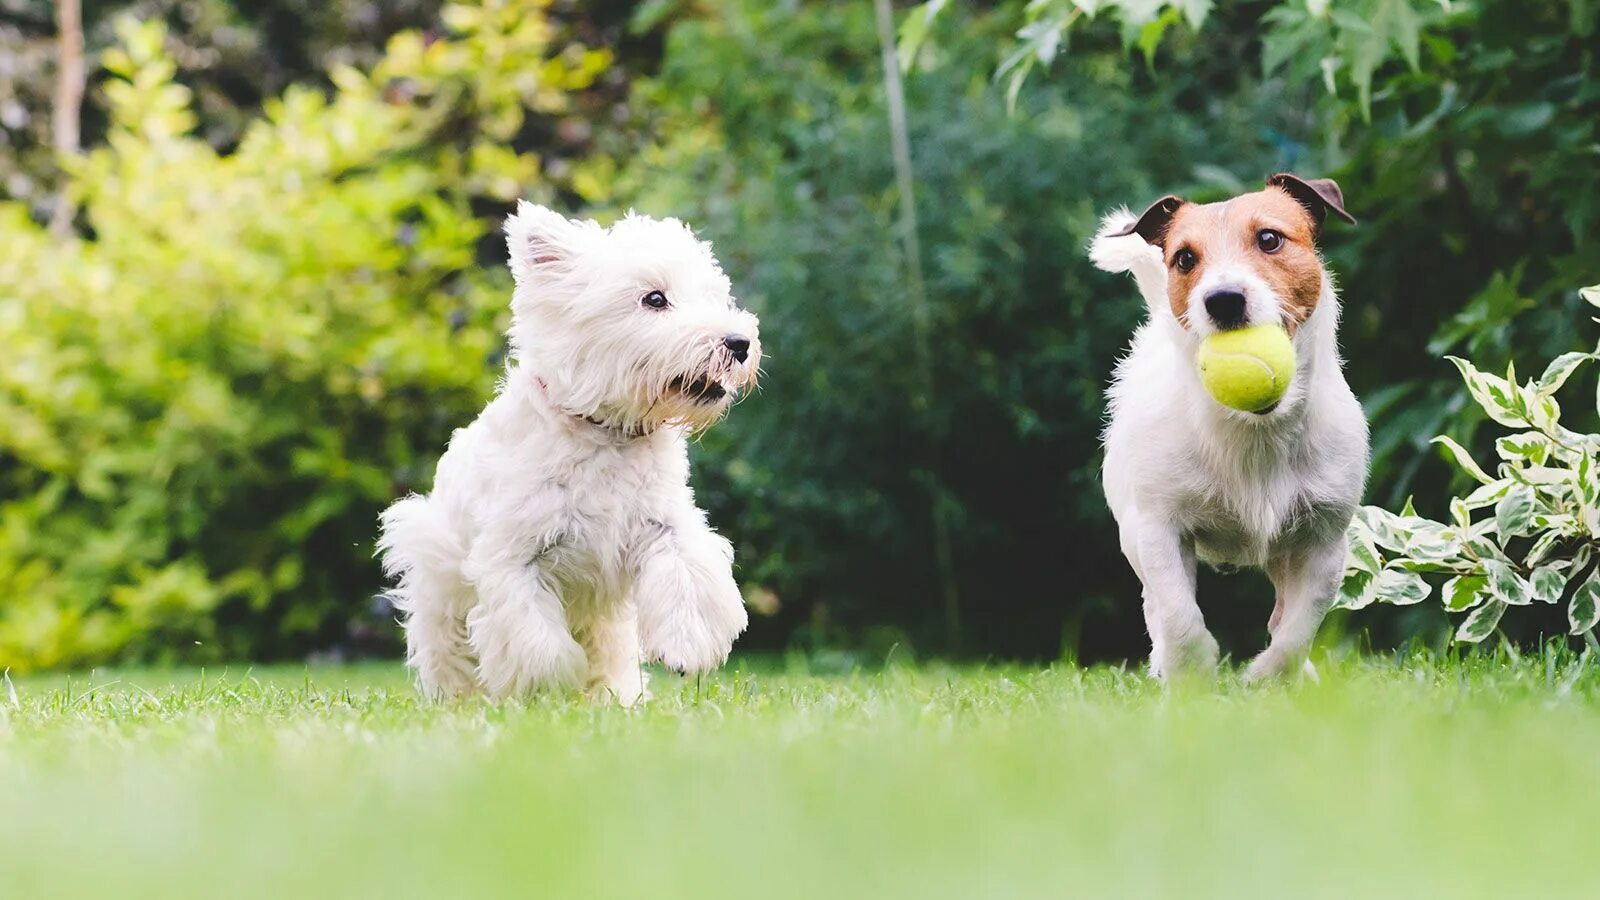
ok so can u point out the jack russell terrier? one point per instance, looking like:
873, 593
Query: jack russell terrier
1189, 479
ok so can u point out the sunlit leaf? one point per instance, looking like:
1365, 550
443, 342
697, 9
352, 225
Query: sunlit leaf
1459, 455
1528, 446
1560, 369
1498, 397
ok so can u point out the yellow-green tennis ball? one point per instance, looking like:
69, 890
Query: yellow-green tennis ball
1247, 368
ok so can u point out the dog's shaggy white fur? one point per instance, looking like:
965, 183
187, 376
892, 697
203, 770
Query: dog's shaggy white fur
561, 546
1187, 478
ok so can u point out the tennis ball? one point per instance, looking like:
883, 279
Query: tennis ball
1247, 368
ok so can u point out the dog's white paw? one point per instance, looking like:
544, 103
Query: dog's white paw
1196, 655
515, 663
626, 693
439, 682
1274, 665
693, 636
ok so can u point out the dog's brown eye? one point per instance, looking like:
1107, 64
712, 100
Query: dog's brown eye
1185, 260
1268, 240
654, 300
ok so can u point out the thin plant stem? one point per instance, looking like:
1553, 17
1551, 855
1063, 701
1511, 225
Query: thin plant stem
916, 289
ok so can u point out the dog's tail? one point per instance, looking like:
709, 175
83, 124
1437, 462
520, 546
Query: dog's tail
1116, 252
424, 555
419, 550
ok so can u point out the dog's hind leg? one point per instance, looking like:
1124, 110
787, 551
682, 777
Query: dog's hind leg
421, 551
1305, 581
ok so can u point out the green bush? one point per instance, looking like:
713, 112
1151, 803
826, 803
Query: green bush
1538, 544
205, 401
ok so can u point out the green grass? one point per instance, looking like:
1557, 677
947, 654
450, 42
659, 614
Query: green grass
1416, 779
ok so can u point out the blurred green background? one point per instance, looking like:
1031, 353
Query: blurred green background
245, 315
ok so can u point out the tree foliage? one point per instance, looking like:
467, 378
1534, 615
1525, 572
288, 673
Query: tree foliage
278, 306
823, 478
204, 402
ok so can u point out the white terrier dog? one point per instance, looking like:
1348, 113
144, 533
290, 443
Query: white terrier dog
561, 546
1188, 478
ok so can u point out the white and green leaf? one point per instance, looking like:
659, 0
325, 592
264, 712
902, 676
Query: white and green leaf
1463, 592
1401, 588
1499, 397
1583, 610
1543, 411
1560, 369
1463, 460
1513, 515
1541, 548
1548, 583
1363, 555
1525, 447
1506, 585
1357, 591
1481, 623
1540, 475
1387, 529
1586, 490
1488, 494
1431, 541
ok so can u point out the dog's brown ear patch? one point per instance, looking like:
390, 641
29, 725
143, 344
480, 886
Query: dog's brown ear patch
1319, 196
1152, 224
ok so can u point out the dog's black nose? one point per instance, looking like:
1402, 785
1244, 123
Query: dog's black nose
1226, 307
738, 345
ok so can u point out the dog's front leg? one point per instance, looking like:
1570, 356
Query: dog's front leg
1305, 581
519, 628
1179, 641
690, 610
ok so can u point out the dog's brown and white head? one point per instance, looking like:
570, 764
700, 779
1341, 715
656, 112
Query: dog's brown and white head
1248, 260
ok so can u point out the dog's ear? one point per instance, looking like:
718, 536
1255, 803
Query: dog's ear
539, 239
1152, 223
1319, 196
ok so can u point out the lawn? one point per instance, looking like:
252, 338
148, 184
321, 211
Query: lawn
1412, 778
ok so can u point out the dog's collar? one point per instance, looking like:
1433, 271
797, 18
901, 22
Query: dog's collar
626, 434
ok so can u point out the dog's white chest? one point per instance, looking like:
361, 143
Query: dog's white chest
1239, 527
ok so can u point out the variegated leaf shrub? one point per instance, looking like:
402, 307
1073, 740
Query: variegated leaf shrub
1526, 534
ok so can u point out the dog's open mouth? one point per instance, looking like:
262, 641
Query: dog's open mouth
700, 390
